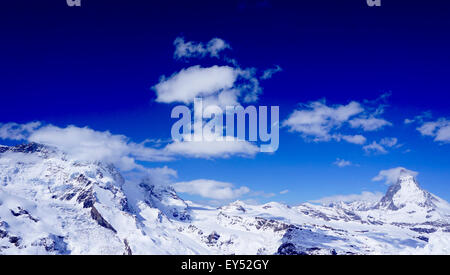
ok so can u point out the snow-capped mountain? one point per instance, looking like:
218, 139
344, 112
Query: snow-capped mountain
406, 193
51, 204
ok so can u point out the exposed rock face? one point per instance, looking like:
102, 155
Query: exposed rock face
166, 199
100, 220
53, 244
291, 249
212, 238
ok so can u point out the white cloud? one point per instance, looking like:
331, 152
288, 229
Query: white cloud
408, 121
161, 176
381, 146
364, 196
195, 81
284, 192
216, 85
87, 144
389, 142
317, 120
391, 176
429, 128
213, 149
443, 134
320, 122
375, 148
439, 129
369, 124
267, 74
220, 85
211, 189
250, 88
90, 145
355, 139
197, 49
216, 45
342, 163
15, 131
377, 107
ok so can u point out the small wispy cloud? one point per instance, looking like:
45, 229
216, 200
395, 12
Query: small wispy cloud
439, 129
317, 120
355, 139
382, 146
191, 49
419, 118
342, 163
389, 142
374, 148
369, 124
267, 74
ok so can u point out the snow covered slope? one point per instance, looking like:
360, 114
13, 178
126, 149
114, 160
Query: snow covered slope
51, 204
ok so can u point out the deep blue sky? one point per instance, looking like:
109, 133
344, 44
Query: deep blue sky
95, 66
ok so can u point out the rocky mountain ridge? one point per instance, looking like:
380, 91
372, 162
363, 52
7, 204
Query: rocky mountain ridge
50, 204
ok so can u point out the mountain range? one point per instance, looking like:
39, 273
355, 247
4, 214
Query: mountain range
52, 204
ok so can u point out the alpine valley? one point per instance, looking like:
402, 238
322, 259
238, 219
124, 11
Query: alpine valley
51, 204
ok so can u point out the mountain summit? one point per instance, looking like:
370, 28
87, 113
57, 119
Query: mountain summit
406, 193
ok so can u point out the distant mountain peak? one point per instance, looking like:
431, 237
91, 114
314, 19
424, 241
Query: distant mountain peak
238, 206
405, 192
405, 175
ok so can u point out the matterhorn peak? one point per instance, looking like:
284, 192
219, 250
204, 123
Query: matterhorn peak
405, 176
408, 183
405, 192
